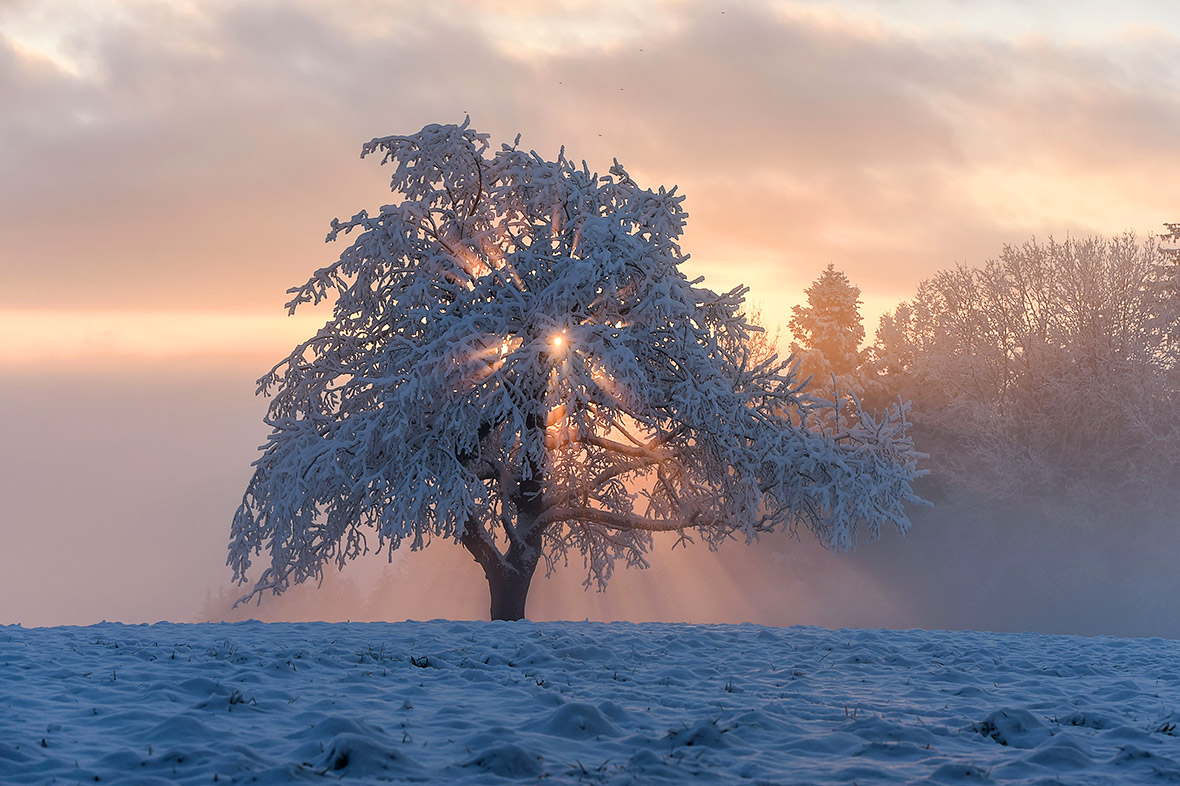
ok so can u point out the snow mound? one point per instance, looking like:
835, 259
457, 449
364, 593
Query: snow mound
1018, 728
1060, 755
960, 773
507, 761
355, 755
577, 720
700, 734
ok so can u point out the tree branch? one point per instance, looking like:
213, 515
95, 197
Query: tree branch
484, 552
619, 521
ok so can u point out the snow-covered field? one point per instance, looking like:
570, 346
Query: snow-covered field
474, 702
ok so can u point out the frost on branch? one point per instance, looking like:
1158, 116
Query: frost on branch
517, 363
1050, 374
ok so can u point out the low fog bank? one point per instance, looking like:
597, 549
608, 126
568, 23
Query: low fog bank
119, 485
962, 566
974, 563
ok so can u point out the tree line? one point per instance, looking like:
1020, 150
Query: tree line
517, 362
1049, 372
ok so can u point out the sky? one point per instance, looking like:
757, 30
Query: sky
169, 169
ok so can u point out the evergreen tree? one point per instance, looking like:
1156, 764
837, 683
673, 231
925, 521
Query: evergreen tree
828, 332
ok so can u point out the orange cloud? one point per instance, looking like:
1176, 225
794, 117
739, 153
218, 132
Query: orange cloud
201, 171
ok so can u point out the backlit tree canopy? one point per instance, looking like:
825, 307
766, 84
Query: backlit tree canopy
517, 363
828, 332
830, 324
1051, 370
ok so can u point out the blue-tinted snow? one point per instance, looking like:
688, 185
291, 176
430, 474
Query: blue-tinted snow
470, 702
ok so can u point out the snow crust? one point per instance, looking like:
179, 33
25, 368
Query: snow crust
477, 702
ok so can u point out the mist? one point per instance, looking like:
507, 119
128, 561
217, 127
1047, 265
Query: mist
120, 481
201, 149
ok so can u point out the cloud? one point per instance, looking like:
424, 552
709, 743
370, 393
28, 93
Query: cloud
211, 144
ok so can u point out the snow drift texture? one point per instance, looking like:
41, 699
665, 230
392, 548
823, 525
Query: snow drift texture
463, 702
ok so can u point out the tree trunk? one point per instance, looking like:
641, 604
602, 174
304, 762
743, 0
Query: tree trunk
509, 576
510, 590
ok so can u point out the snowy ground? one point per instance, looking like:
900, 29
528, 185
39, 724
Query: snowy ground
470, 702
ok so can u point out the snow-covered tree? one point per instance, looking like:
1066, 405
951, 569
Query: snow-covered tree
1167, 289
517, 363
830, 323
828, 333
1049, 371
